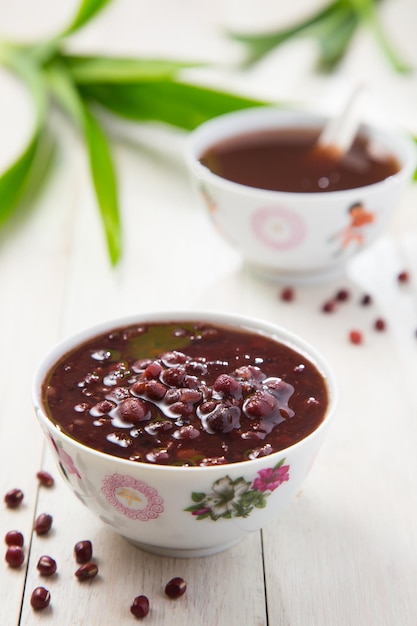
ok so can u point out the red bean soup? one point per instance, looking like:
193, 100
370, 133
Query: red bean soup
185, 393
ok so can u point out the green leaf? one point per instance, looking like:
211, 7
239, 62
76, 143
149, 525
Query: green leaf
176, 103
100, 158
90, 70
332, 27
87, 9
14, 181
259, 45
197, 497
105, 184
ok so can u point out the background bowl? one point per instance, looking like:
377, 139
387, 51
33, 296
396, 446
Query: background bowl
286, 236
148, 503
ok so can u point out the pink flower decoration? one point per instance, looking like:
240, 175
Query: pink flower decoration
65, 459
271, 478
134, 498
279, 228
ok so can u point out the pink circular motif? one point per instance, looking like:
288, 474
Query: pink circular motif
134, 498
278, 228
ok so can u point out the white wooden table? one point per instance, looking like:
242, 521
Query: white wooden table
345, 552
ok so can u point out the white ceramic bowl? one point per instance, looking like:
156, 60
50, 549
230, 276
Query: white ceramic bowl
297, 237
154, 516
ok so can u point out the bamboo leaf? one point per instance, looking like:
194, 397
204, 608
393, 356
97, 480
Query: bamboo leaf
105, 184
14, 180
100, 158
87, 9
176, 103
259, 45
90, 70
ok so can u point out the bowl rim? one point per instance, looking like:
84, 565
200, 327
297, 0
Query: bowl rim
267, 117
256, 324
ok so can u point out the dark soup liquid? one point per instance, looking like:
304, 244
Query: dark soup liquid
286, 160
185, 393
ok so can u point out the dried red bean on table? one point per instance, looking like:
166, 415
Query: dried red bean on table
176, 587
86, 571
380, 324
45, 478
13, 498
366, 299
342, 295
329, 306
40, 598
43, 524
403, 277
15, 556
140, 606
14, 538
355, 337
287, 294
83, 551
46, 565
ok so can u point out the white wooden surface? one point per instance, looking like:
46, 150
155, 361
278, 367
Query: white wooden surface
345, 552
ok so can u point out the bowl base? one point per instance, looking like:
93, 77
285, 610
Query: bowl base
184, 553
297, 277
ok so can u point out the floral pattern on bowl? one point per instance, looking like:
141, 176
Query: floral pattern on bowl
65, 460
237, 498
134, 498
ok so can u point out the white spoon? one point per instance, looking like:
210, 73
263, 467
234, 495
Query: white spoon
339, 132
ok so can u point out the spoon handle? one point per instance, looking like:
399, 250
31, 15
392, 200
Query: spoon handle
339, 132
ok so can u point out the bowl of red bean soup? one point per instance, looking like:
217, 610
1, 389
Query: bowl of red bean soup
184, 431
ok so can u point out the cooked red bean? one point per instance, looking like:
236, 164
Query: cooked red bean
87, 571
40, 598
223, 419
140, 606
227, 385
176, 587
43, 524
46, 565
133, 410
14, 538
261, 404
83, 551
15, 556
45, 478
13, 498
173, 376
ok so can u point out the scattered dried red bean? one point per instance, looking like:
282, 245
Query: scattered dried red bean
87, 571
13, 498
287, 294
40, 598
14, 538
403, 277
83, 551
15, 556
355, 337
140, 606
45, 478
43, 524
366, 299
329, 307
46, 565
342, 295
380, 324
176, 587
